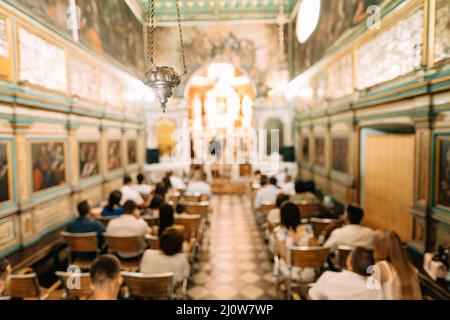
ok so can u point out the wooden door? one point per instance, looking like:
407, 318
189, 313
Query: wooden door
389, 183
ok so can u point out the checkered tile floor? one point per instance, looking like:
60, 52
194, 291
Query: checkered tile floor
237, 265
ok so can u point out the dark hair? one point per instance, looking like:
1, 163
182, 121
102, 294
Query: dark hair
140, 178
361, 259
273, 181
129, 207
127, 180
84, 208
300, 186
281, 198
290, 216
105, 268
114, 200
156, 202
166, 218
264, 180
171, 242
257, 172
3, 268
167, 183
180, 208
160, 189
354, 214
311, 186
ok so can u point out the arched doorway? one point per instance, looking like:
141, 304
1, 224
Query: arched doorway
164, 136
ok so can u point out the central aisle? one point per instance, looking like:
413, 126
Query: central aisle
236, 265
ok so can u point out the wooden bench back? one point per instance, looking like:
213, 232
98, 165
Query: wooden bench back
24, 286
154, 286
192, 198
124, 245
72, 290
308, 257
190, 224
308, 210
199, 208
81, 242
321, 225
266, 207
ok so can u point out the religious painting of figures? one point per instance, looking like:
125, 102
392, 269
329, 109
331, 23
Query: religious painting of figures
340, 154
305, 149
442, 196
5, 183
320, 151
49, 166
132, 152
89, 162
337, 18
114, 155
54, 11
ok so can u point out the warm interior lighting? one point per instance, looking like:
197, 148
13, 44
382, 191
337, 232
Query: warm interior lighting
307, 19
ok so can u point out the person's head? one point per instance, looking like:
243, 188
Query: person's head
359, 261
156, 202
311, 186
273, 181
167, 183
388, 247
105, 277
5, 274
300, 186
129, 207
180, 208
160, 189
287, 179
258, 173
166, 218
354, 214
264, 180
198, 175
84, 208
171, 242
204, 177
290, 216
281, 199
140, 178
114, 199
127, 180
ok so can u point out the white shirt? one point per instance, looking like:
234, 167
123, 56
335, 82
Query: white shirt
143, 189
199, 187
177, 183
353, 235
281, 177
268, 193
128, 193
288, 188
345, 285
155, 261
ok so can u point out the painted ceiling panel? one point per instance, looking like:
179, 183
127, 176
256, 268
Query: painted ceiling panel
218, 10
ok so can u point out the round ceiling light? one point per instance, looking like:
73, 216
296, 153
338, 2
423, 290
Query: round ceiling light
307, 19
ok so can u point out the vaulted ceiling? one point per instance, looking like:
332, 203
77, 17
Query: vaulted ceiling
200, 11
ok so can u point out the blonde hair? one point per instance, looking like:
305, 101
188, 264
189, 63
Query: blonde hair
388, 247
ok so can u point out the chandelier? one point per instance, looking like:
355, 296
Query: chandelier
161, 79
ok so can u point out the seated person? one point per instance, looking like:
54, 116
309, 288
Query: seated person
155, 204
257, 177
302, 194
281, 177
160, 190
106, 278
167, 219
352, 233
274, 215
5, 274
292, 233
141, 187
176, 182
349, 284
85, 224
169, 259
129, 224
267, 193
113, 209
398, 277
128, 193
288, 186
199, 185
180, 211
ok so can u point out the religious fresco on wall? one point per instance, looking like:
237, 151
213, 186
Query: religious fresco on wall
442, 44
4, 45
442, 196
340, 154
132, 151
49, 165
337, 17
89, 159
5, 171
114, 155
252, 47
108, 27
320, 151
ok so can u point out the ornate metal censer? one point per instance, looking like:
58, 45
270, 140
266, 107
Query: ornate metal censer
162, 80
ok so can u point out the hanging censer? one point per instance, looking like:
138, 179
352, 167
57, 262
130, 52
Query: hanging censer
162, 80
